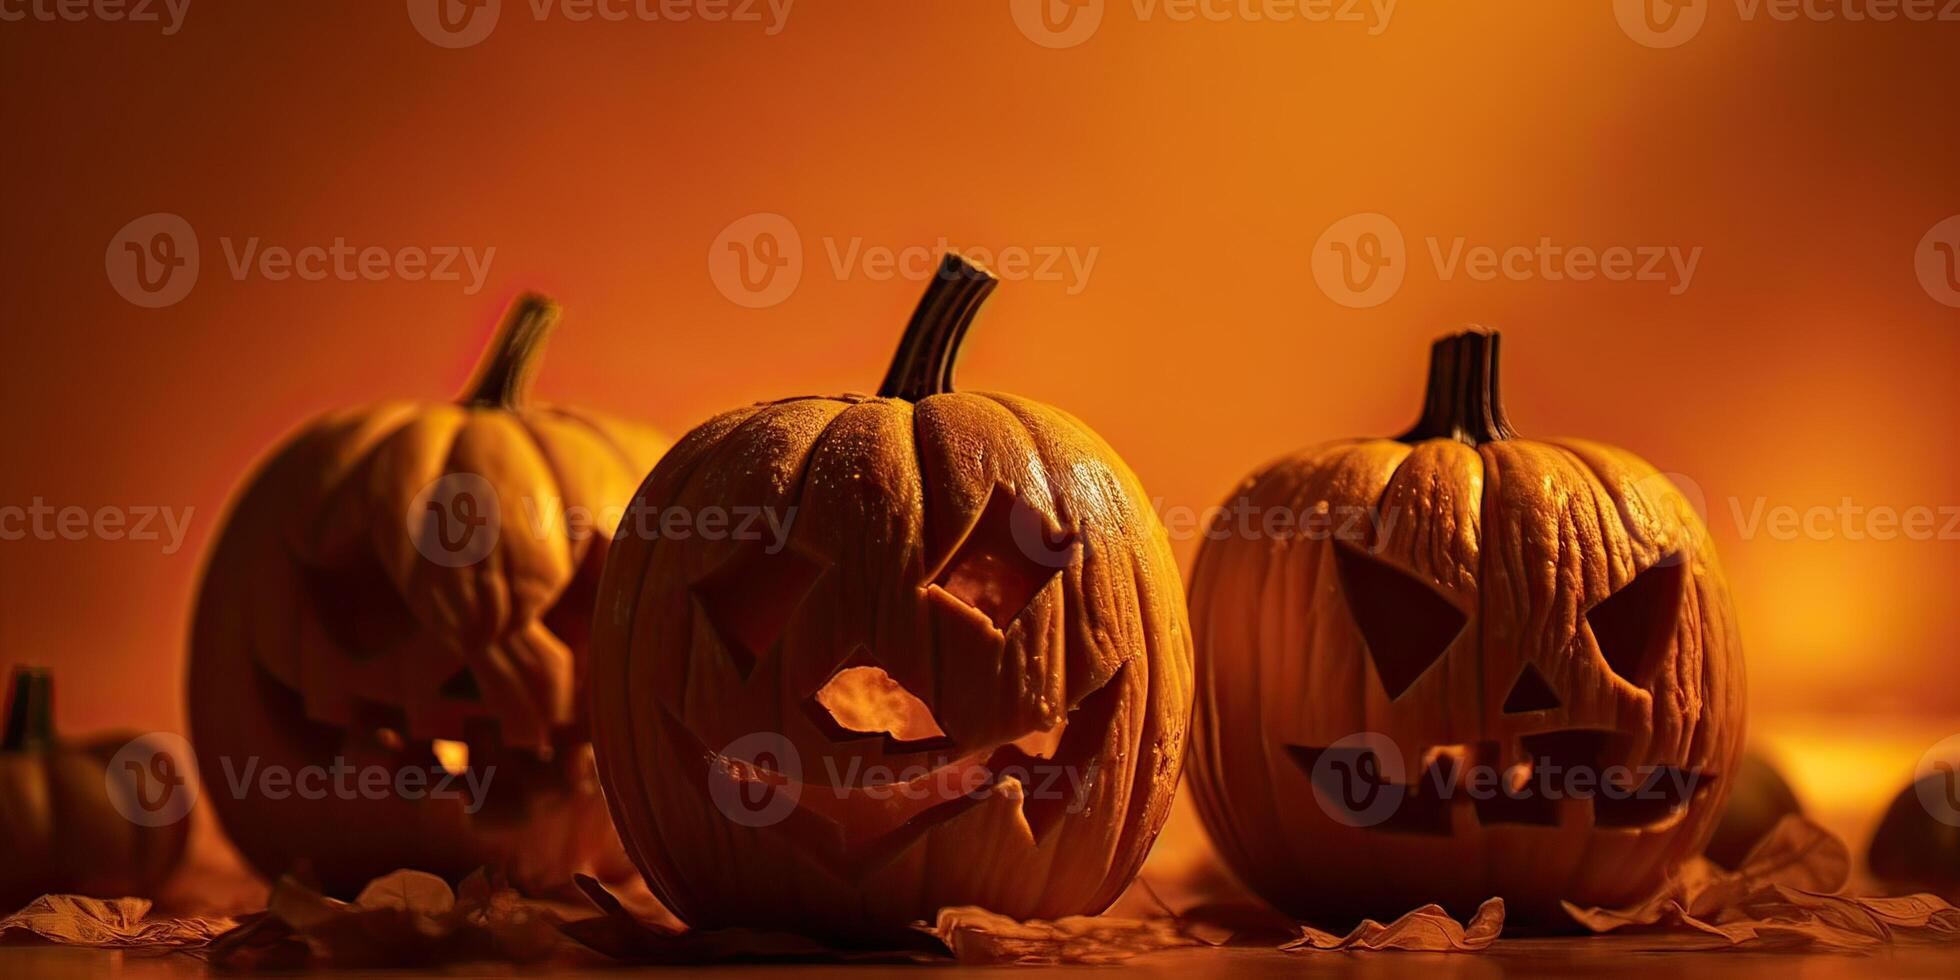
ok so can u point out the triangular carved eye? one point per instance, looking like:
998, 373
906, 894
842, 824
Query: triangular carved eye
1405, 621
1635, 625
1531, 693
750, 597
1006, 558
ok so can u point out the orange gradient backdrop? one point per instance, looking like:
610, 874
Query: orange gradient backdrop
1200, 160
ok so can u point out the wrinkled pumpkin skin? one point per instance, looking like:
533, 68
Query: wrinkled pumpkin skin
323, 634
1480, 559
59, 833
902, 554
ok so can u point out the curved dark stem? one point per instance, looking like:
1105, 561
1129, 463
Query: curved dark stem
503, 377
30, 710
923, 365
1463, 401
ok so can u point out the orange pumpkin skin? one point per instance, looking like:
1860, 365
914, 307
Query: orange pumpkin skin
328, 632
59, 831
994, 558
1498, 602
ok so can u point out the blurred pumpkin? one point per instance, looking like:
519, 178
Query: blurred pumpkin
1917, 844
1759, 799
1467, 664
407, 588
60, 829
959, 675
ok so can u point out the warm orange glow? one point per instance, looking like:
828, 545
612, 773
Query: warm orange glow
866, 699
1200, 161
454, 757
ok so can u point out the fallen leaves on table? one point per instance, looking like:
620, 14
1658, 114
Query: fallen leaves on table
1781, 897
403, 919
76, 920
618, 933
975, 935
1428, 929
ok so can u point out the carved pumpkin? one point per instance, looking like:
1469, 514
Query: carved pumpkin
1917, 844
1759, 799
60, 832
1478, 665
407, 588
961, 674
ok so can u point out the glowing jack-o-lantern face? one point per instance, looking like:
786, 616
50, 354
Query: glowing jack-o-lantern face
859, 658
1478, 665
392, 625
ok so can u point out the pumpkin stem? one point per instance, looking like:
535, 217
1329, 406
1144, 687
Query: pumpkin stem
30, 710
923, 365
1463, 401
503, 377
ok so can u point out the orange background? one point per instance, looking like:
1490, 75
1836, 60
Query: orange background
1805, 364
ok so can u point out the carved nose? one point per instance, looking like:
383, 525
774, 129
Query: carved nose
1531, 693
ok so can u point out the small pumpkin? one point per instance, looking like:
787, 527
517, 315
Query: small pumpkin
1471, 664
1917, 844
1759, 799
407, 588
60, 829
960, 675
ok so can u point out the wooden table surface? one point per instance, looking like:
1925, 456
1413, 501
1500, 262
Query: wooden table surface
1597, 958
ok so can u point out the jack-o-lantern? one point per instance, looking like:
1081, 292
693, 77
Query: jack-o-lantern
1467, 664
62, 823
388, 653
948, 664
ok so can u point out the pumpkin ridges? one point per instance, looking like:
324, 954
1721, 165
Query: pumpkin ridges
608, 694
1057, 434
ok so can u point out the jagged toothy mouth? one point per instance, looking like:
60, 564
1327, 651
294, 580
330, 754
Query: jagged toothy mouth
1562, 778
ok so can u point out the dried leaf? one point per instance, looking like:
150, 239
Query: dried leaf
403, 919
975, 935
1781, 897
410, 891
1427, 929
75, 920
